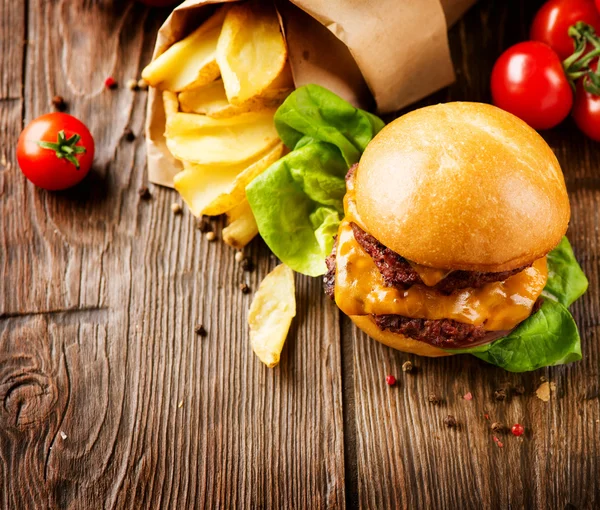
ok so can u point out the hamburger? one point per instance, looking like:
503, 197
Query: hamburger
449, 217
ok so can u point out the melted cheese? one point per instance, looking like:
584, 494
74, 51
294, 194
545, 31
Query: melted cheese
361, 290
429, 275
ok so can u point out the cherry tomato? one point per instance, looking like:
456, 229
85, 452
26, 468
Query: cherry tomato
552, 22
586, 112
55, 151
528, 81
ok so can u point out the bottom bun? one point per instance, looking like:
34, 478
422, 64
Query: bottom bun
396, 340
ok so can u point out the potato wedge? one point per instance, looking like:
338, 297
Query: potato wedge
206, 141
251, 51
170, 103
271, 312
242, 226
190, 62
236, 193
210, 100
199, 185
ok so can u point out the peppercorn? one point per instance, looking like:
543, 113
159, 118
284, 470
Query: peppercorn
110, 83
128, 135
142, 84
520, 390
407, 366
390, 380
176, 208
500, 394
517, 429
144, 193
211, 236
247, 264
497, 427
203, 225
450, 421
132, 84
59, 103
200, 330
239, 256
244, 288
433, 399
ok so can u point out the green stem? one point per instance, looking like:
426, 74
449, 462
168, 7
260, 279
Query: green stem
65, 148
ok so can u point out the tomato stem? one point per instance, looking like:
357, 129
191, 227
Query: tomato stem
65, 148
577, 65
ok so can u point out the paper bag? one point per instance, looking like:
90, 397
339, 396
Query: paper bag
377, 54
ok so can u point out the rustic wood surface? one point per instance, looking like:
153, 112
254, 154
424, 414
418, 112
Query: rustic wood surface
110, 400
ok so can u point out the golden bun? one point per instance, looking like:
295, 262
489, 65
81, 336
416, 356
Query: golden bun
462, 186
396, 340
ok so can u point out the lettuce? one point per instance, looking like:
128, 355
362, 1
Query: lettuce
549, 337
566, 280
298, 201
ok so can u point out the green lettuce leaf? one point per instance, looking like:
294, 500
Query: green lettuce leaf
298, 211
566, 279
549, 337
298, 201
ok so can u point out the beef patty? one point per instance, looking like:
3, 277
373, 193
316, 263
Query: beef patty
397, 271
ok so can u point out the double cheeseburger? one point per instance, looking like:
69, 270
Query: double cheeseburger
449, 216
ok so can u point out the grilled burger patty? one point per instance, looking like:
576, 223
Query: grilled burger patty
397, 271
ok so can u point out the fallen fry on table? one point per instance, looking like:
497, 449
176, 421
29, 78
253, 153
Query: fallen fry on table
271, 312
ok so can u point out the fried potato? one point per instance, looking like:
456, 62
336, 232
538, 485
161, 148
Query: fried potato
205, 141
190, 62
251, 51
242, 226
236, 193
200, 185
214, 190
210, 100
271, 312
170, 103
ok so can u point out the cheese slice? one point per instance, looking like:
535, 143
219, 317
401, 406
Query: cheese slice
361, 290
429, 275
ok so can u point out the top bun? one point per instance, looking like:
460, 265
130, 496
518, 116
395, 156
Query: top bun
462, 186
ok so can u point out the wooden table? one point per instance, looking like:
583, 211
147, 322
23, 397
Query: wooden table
110, 400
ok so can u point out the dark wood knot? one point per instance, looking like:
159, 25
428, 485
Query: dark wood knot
27, 399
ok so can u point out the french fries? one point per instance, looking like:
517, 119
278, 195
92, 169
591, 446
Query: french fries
210, 100
171, 104
271, 312
236, 192
221, 86
201, 185
242, 226
204, 141
190, 62
251, 51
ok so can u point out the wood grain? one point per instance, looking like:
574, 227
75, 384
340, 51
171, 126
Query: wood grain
406, 457
110, 400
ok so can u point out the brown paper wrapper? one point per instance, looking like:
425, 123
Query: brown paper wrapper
382, 54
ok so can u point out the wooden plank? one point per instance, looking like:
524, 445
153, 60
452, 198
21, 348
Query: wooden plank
110, 400
405, 456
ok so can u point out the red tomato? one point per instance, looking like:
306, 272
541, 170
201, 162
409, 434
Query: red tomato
552, 22
586, 112
528, 81
55, 151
